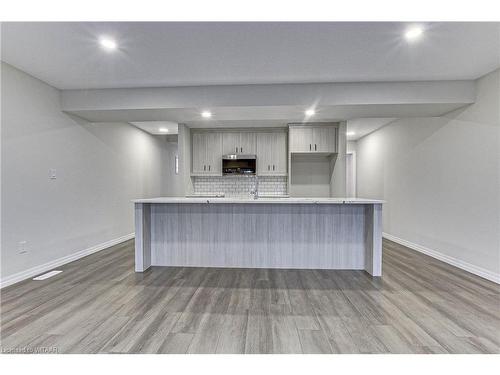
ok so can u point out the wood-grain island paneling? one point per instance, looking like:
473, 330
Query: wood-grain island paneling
263, 235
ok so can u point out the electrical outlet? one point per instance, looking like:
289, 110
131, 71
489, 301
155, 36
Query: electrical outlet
22, 247
52, 174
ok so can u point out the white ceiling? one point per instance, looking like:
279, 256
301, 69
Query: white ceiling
359, 120
153, 127
360, 127
276, 114
67, 55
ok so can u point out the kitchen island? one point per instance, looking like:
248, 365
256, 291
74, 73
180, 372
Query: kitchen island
305, 233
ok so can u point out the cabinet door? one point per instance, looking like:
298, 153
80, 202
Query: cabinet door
214, 153
230, 143
280, 155
264, 154
247, 143
325, 139
300, 139
199, 154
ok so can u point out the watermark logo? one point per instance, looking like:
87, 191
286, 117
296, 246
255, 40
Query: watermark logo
30, 350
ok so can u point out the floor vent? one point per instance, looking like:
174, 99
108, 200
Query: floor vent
46, 275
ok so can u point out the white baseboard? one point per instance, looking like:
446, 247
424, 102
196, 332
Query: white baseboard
23, 275
479, 271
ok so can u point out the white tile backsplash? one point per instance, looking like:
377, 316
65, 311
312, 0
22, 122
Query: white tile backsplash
237, 186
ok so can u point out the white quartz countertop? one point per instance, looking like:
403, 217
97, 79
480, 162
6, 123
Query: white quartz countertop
274, 200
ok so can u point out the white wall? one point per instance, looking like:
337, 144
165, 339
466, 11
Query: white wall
311, 176
100, 168
441, 179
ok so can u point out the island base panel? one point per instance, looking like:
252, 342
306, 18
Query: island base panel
302, 236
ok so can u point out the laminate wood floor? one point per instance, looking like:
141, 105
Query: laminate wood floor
100, 305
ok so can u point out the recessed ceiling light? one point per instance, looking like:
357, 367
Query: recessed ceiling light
413, 33
310, 112
206, 114
163, 130
350, 134
107, 43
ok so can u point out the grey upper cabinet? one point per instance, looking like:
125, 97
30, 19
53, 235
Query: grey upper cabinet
247, 143
270, 146
264, 154
214, 153
207, 153
280, 153
325, 139
230, 142
199, 153
313, 139
238, 142
301, 138
271, 154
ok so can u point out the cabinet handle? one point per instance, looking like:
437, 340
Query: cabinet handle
241, 149
209, 167
310, 147
204, 167
268, 167
273, 167
236, 148
315, 147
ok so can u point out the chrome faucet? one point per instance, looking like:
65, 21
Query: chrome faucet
255, 191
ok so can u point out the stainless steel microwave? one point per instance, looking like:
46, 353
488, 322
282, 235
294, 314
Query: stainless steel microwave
239, 164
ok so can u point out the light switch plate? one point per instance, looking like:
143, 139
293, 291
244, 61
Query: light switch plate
22, 247
52, 174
